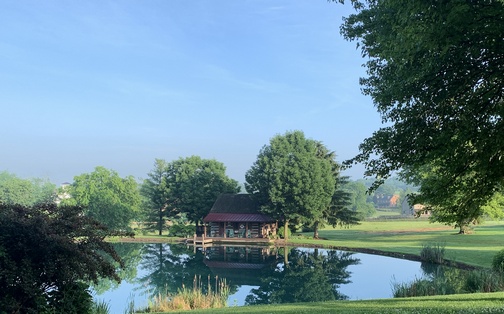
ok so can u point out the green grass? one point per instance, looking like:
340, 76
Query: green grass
462, 303
409, 235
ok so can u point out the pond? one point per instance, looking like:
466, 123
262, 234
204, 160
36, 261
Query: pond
256, 275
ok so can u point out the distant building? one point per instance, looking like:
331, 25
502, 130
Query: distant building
63, 192
385, 200
413, 211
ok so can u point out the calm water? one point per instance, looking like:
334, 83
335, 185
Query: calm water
256, 275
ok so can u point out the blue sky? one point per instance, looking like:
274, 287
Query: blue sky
120, 83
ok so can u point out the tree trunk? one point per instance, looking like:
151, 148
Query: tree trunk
315, 230
160, 223
197, 225
286, 229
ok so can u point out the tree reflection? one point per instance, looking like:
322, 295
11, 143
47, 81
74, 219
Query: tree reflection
131, 255
305, 276
170, 267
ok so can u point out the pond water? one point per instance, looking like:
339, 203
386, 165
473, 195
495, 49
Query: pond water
256, 275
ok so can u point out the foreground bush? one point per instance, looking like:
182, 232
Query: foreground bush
47, 255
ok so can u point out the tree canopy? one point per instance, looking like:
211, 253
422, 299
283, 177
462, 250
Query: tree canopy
106, 196
435, 73
187, 186
290, 180
14, 190
48, 254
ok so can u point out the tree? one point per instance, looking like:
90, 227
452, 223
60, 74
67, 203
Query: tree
156, 193
194, 184
495, 207
14, 190
435, 73
106, 197
337, 213
289, 179
358, 199
48, 254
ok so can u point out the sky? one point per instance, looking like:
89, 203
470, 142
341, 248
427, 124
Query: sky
120, 83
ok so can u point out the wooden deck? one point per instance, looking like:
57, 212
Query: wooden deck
200, 241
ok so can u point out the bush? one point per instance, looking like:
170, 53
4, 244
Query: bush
281, 232
433, 253
498, 262
483, 281
181, 230
46, 254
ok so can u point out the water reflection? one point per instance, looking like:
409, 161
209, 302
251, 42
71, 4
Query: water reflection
304, 276
256, 275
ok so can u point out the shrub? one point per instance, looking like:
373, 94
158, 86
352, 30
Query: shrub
432, 253
281, 232
181, 230
498, 262
483, 281
190, 299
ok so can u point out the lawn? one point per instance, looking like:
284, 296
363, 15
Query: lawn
407, 236
462, 303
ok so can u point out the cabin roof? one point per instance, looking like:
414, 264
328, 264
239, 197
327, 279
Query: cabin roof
236, 208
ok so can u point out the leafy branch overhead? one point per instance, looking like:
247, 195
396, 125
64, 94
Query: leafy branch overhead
435, 74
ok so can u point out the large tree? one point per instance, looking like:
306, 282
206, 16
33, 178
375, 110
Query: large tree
106, 196
435, 72
48, 256
193, 185
196, 183
157, 197
290, 180
338, 212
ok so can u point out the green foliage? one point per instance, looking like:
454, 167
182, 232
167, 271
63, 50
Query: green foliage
433, 253
358, 199
434, 71
181, 230
195, 183
155, 192
290, 180
46, 255
106, 197
14, 190
190, 299
495, 207
483, 281
281, 232
187, 186
100, 307
498, 262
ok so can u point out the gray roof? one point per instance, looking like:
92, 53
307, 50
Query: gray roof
235, 204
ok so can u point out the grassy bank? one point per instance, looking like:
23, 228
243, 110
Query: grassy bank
462, 303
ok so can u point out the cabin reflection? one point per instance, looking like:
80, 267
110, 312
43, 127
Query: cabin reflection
240, 265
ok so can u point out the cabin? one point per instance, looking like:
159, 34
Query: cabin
238, 216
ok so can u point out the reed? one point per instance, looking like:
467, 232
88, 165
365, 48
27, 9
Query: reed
215, 296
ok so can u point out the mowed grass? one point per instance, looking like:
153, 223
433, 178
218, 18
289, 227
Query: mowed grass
462, 303
407, 236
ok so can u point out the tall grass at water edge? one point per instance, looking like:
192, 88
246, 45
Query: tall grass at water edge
192, 298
